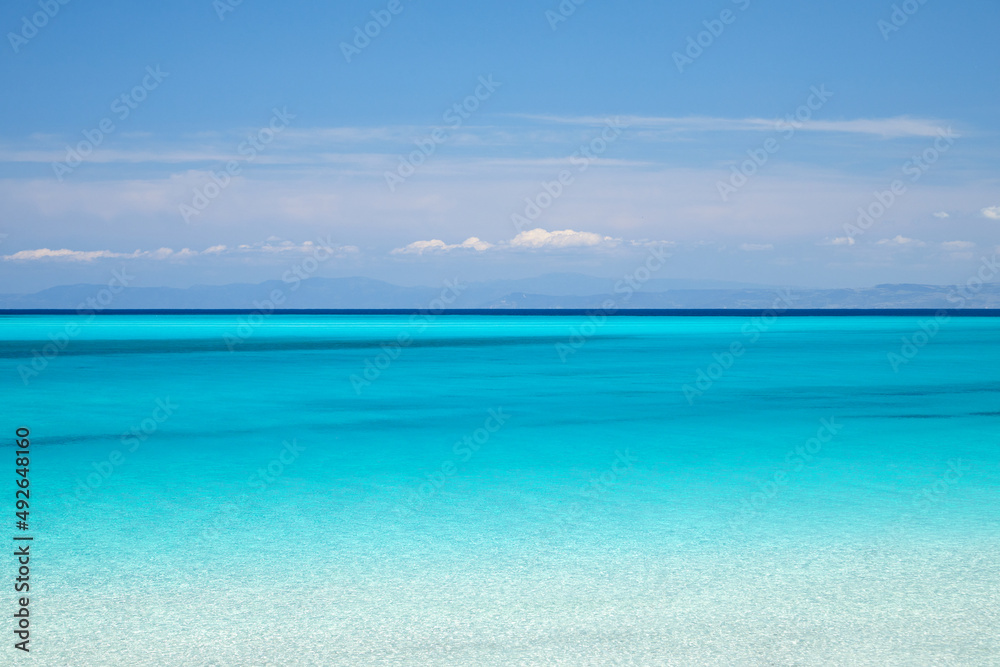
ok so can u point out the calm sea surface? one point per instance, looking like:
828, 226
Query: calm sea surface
466, 490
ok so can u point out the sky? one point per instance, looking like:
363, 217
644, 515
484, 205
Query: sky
781, 143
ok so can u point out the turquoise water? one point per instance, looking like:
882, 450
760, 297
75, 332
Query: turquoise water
508, 490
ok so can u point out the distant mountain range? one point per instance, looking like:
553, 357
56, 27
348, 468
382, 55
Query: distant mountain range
553, 291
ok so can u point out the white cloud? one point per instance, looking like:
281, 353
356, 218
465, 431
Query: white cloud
271, 246
275, 245
902, 241
992, 212
840, 240
756, 247
567, 238
83, 255
534, 239
942, 215
437, 245
368, 145
897, 126
958, 245
420, 247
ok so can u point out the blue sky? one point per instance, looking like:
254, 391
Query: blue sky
199, 78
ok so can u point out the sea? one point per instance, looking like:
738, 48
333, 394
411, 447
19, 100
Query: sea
498, 489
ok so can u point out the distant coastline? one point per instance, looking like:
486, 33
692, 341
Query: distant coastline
565, 293
622, 312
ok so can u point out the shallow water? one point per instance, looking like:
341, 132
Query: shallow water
504, 490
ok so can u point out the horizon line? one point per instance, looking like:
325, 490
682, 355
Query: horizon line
621, 312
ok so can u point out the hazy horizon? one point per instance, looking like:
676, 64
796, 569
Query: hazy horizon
480, 143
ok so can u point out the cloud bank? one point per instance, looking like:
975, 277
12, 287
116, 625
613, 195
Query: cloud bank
272, 247
530, 240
